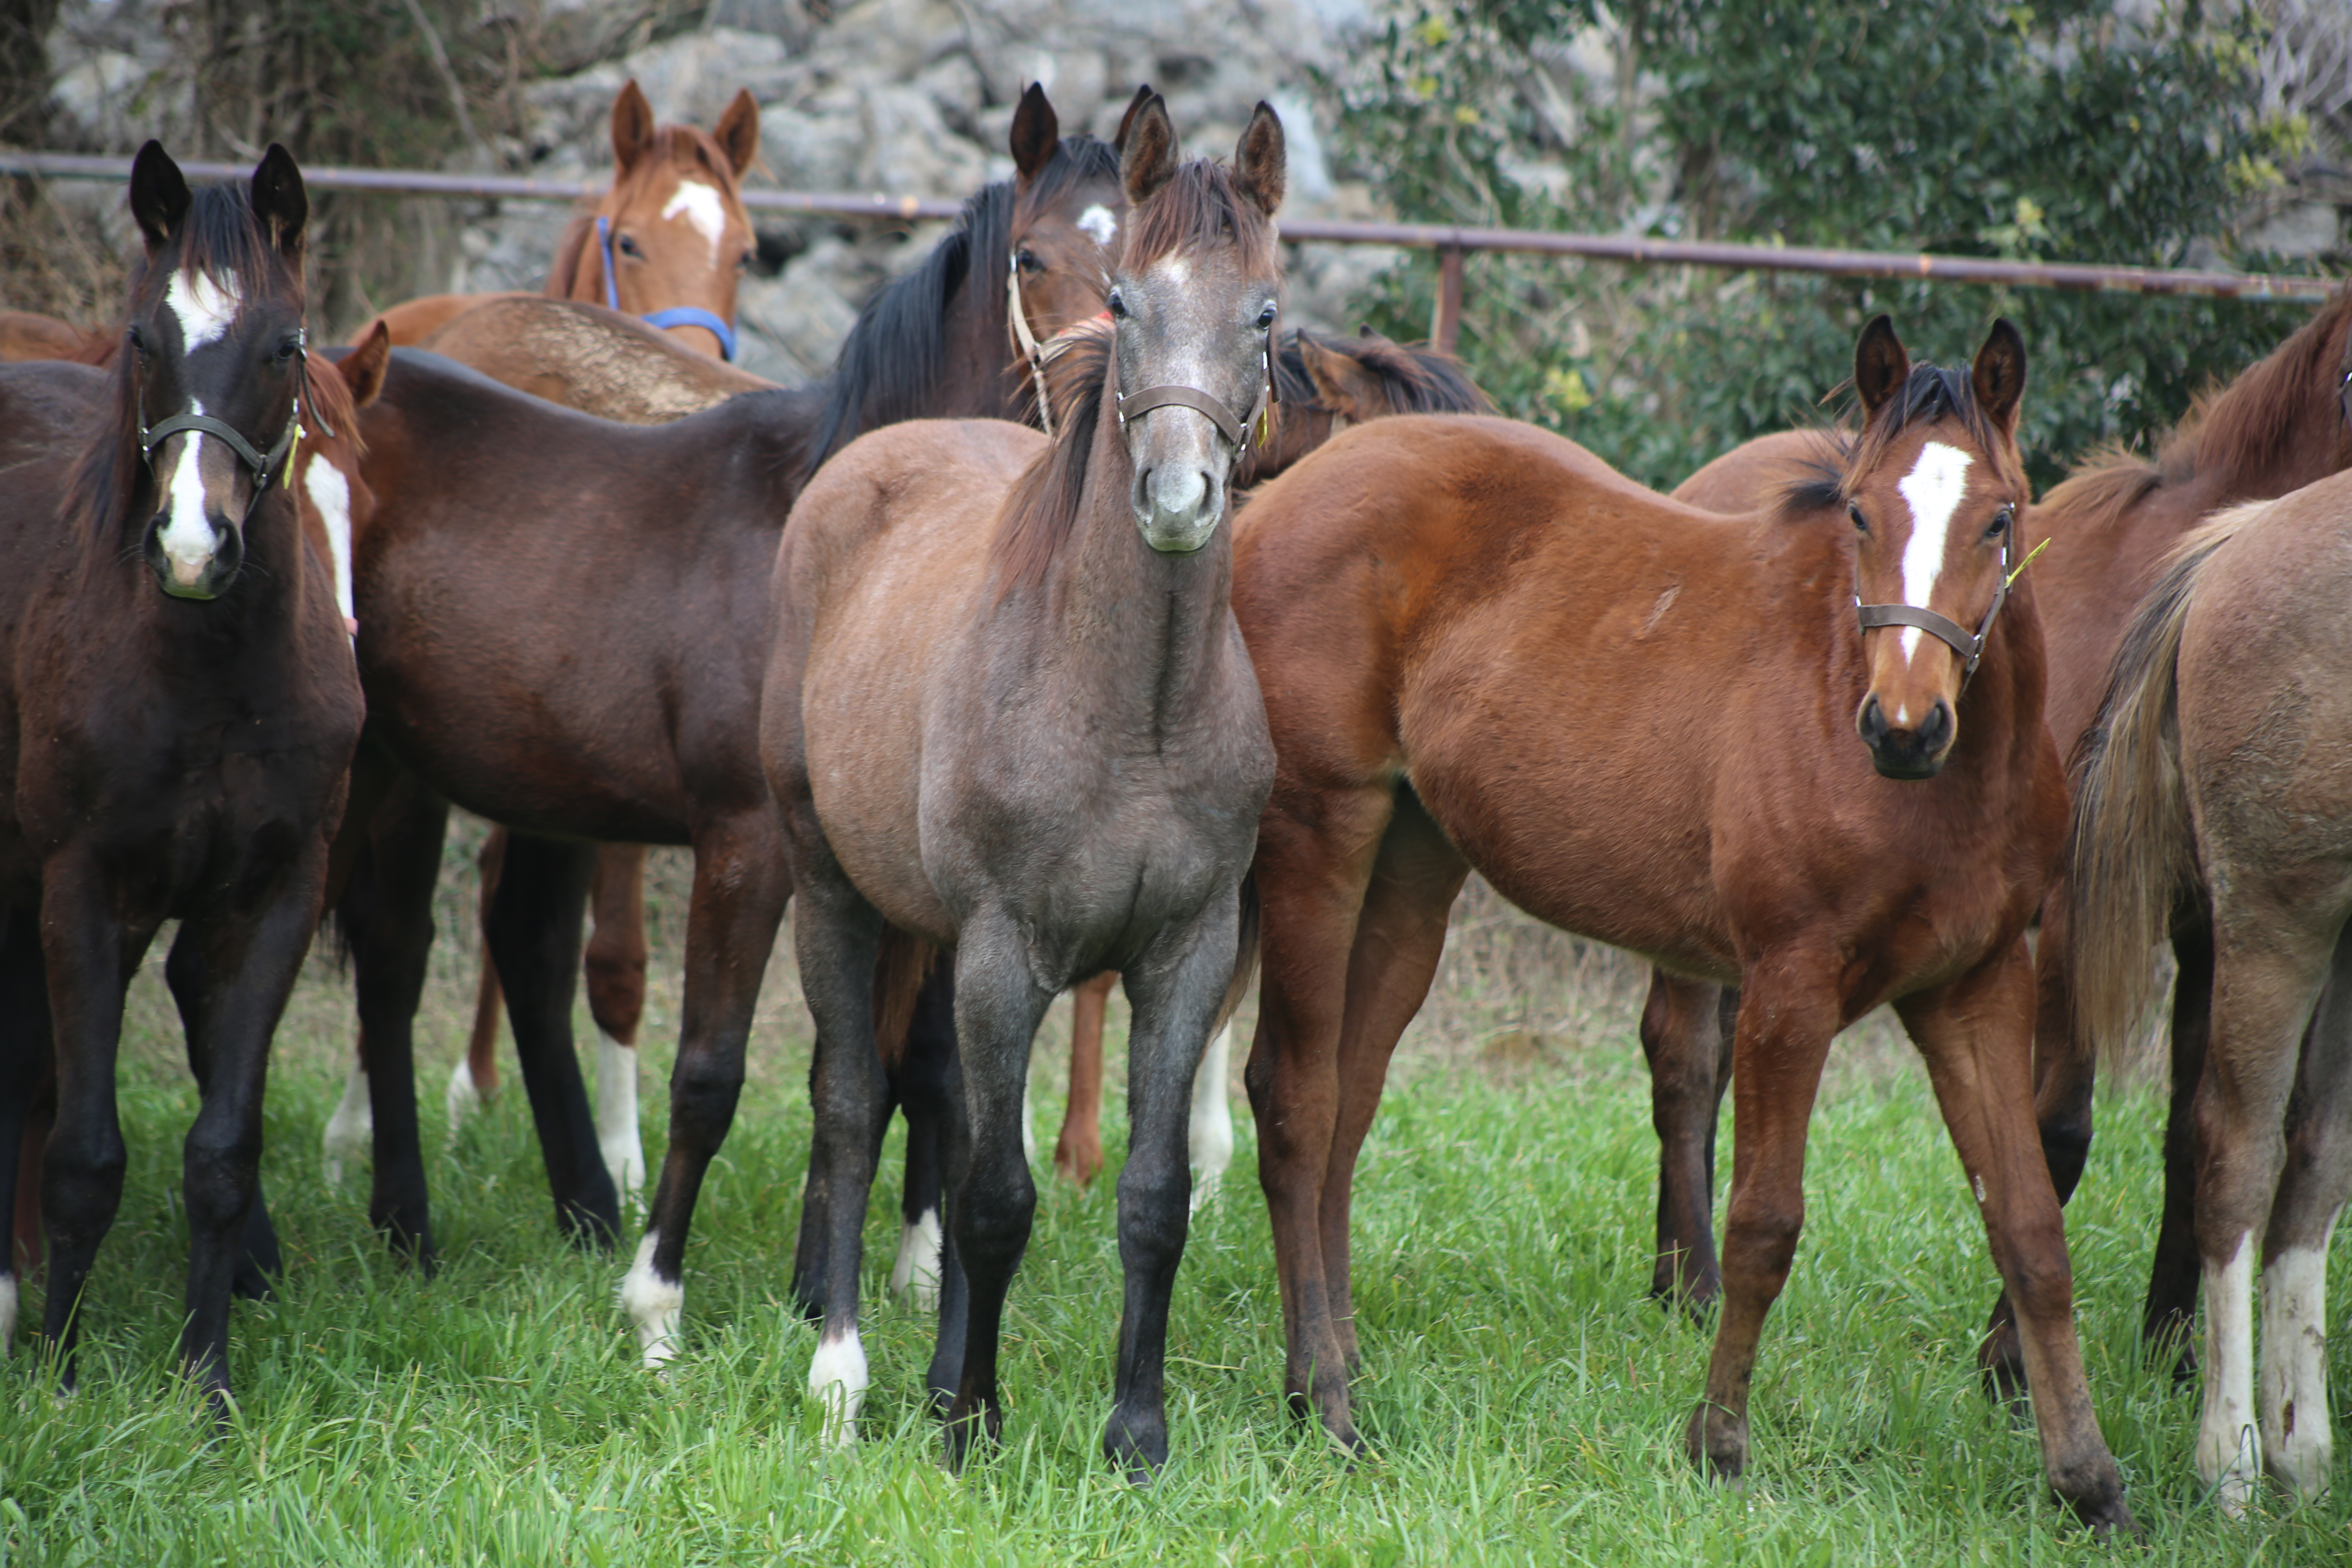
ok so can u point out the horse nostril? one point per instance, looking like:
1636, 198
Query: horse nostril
1937, 733
1871, 722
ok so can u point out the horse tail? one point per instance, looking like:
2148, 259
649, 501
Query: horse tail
2132, 849
1245, 954
900, 966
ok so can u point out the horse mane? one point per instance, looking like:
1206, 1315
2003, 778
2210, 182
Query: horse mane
1045, 502
331, 401
1415, 381
889, 366
218, 238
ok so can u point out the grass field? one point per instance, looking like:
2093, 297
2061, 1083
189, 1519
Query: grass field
1524, 1398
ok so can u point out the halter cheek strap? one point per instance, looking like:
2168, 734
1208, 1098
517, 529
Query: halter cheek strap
710, 321
1969, 645
1026, 340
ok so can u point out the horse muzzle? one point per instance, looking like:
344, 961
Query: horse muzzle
1916, 752
1177, 507
194, 560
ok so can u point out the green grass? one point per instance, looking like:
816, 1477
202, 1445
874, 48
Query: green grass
1523, 1399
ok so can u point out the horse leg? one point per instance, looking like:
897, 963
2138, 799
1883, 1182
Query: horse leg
2298, 1445
1208, 1129
24, 1066
811, 1262
534, 938
2265, 980
474, 1078
1976, 1037
243, 967
391, 941
1679, 1037
741, 886
616, 1001
1314, 863
998, 1005
89, 957
2170, 1313
1400, 938
1077, 1152
191, 985
1175, 988
924, 1082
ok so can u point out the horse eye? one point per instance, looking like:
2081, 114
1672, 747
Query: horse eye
1266, 317
139, 340
1854, 512
745, 259
1026, 260
291, 345
629, 247
2001, 521
1118, 304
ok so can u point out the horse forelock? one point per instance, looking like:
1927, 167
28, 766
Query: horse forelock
680, 152
1932, 394
1077, 160
1200, 209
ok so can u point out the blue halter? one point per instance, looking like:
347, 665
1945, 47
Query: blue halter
677, 315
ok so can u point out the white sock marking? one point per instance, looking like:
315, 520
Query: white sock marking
350, 1129
187, 539
616, 1115
204, 306
7, 1311
837, 1381
654, 1305
2297, 1436
463, 1098
1933, 489
2229, 1447
916, 1274
1099, 221
1213, 1119
1028, 1128
705, 208
332, 494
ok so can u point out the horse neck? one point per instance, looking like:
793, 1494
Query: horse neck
976, 346
2302, 449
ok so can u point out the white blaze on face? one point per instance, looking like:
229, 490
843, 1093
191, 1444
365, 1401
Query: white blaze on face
187, 538
205, 307
2296, 1429
654, 1304
2229, 1448
837, 1381
1932, 489
700, 205
1098, 221
331, 493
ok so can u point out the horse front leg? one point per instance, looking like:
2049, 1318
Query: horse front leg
1681, 1039
741, 886
25, 1058
189, 974
1976, 1037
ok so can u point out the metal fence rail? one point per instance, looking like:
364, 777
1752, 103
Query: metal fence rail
1450, 243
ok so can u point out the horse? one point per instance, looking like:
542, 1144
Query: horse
1637, 721
1324, 384
1008, 713
177, 719
2219, 774
647, 733
29, 335
667, 242
2274, 429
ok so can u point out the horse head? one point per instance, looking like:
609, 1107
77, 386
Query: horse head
1066, 213
1934, 490
1193, 299
671, 239
216, 367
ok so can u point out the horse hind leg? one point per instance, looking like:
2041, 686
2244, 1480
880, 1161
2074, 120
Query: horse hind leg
475, 1079
1682, 1038
1077, 1152
924, 1082
2168, 1317
616, 974
2298, 1445
1209, 1129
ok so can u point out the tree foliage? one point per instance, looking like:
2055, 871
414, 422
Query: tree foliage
2060, 132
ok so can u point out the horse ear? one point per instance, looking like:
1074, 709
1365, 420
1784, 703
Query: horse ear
1880, 366
364, 368
1999, 375
1259, 161
633, 126
159, 195
279, 201
1341, 382
738, 131
1036, 133
1147, 160
1127, 121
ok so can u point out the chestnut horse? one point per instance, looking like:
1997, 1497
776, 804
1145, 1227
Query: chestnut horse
1009, 713
2275, 428
1636, 721
178, 710
2219, 775
472, 582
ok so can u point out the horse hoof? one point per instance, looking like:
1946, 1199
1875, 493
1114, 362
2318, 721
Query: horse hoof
1721, 1453
2000, 1367
1137, 1444
967, 1429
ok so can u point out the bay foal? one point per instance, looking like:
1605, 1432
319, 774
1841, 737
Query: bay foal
178, 710
1009, 713
1638, 721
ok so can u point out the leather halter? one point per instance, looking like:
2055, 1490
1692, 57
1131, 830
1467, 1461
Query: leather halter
1026, 342
677, 315
263, 464
1136, 404
1969, 646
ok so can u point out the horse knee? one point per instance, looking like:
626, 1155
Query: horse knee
220, 1175
702, 1096
1760, 1246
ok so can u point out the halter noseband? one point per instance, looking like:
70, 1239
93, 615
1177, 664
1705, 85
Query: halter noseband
1135, 405
1970, 647
677, 315
263, 464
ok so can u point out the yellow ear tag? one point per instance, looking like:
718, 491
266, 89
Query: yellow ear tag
300, 435
2010, 582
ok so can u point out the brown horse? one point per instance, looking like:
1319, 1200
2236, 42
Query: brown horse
1636, 720
667, 243
2275, 428
2219, 775
1325, 385
1009, 713
29, 335
472, 580
178, 710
